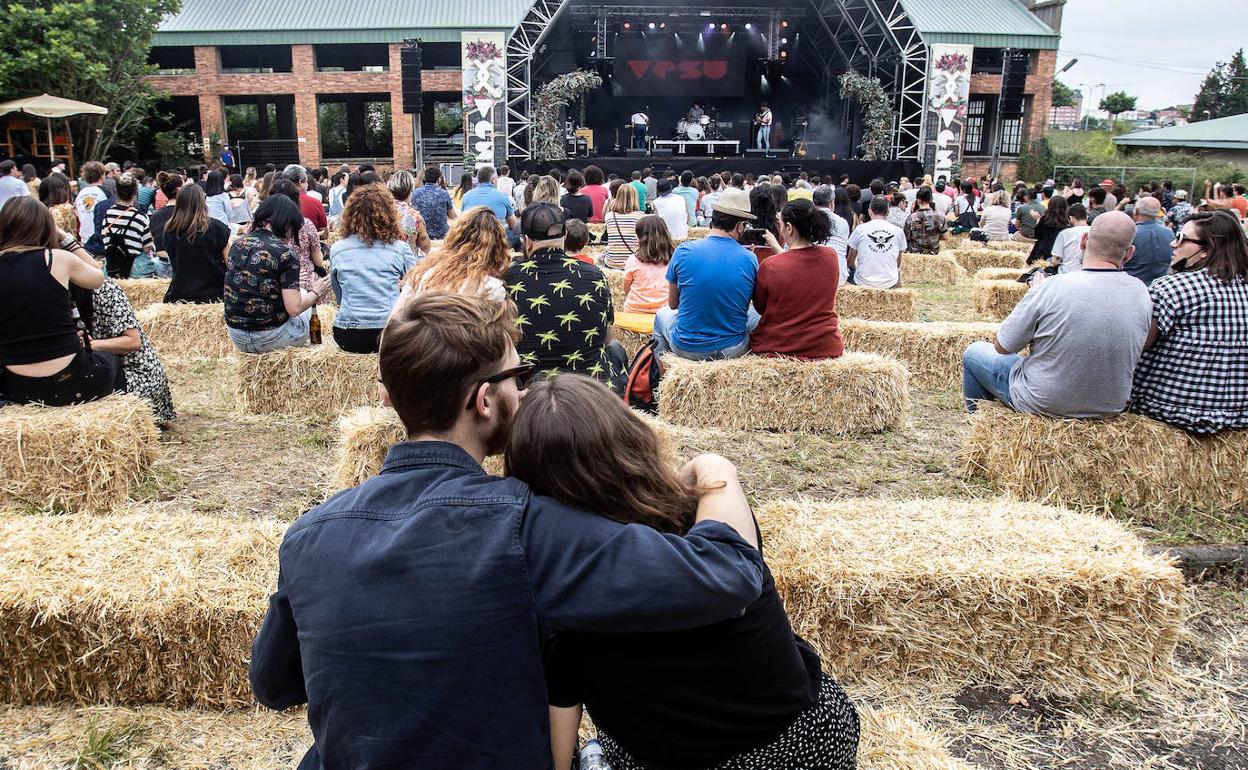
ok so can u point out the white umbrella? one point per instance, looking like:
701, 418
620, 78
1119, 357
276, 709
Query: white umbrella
46, 106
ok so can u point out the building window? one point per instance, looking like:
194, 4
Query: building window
973, 134
1011, 135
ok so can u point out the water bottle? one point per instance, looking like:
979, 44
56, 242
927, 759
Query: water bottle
592, 757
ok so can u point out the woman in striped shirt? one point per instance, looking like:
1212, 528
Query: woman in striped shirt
130, 228
621, 226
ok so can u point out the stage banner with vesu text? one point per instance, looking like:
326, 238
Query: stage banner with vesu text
669, 65
484, 62
948, 89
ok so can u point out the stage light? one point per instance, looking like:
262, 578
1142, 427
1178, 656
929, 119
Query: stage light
627, 25
749, 25
784, 54
651, 25
662, 25
784, 24
784, 41
724, 27
711, 25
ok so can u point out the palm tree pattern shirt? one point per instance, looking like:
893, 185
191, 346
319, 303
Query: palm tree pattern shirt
563, 309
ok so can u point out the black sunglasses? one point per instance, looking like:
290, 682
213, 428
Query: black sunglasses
523, 373
1179, 240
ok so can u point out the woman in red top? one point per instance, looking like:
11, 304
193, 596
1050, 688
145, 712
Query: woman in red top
795, 291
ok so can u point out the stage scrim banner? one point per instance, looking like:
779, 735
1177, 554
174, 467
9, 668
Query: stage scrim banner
948, 88
484, 61
667, 64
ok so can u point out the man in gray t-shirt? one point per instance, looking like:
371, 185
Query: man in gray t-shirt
1086, 330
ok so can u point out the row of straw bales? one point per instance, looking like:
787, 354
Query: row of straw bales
314, 381
1132, 459
86, 457
856, 393
186, 331
932, 352
996, 299
931, 268
975, 258
963, 593
161, 609
144, 291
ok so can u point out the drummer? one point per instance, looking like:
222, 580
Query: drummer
696, 113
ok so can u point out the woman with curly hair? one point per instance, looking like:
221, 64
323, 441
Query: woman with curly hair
473, 260
368, 262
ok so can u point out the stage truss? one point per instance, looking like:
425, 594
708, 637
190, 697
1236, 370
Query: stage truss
874, 37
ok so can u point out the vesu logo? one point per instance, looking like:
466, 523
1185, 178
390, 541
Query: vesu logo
711, 69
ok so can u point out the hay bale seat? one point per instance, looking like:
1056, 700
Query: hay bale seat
998, 274
181, 330
974, 258
631, 340
1133, 459
144, 291
185, 739
962, 593
615, 282
856, 393
932, 352
312, 381
875, 304
1022, 247
365, 435
137, 609
86, 457
931, 268
996, 299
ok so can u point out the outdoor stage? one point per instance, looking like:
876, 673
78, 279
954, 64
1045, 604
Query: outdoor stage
861, 172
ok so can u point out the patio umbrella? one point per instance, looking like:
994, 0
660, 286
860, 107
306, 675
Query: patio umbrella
46, 106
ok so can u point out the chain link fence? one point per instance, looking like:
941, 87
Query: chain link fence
1130, 177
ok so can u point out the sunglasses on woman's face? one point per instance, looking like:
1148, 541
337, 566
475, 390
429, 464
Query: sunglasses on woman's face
1181, 239
522, 373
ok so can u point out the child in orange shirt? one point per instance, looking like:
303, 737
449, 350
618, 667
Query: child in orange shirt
575, 239
645, 273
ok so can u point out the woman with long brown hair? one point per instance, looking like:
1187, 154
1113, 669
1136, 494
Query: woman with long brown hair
743, 693
1194, 371
473, 260
198, 247
55, 193
367, 265
42, 356
645, 272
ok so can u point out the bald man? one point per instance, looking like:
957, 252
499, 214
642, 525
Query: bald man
1086, 330
1152, 241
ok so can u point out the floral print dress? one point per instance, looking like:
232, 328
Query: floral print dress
145, 375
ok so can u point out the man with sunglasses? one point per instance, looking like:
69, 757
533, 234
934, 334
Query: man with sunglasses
411, 612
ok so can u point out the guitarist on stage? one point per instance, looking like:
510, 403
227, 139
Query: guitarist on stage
763, 121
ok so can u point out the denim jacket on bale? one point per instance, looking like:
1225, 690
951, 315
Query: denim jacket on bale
412, 612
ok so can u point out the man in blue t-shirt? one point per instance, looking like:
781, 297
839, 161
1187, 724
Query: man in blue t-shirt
486, 194
710, 283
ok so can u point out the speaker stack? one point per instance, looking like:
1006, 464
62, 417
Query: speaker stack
1014, 83
411, 65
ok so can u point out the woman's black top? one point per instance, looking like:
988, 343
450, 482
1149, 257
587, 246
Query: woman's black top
577, 206
158, 221
691, 698
1046, 236
35, 321
198, 265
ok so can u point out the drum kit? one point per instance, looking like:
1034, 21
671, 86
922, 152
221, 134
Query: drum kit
698, 130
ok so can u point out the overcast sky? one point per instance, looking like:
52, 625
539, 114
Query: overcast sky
1156, 50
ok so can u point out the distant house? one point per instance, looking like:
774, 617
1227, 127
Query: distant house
1224, 138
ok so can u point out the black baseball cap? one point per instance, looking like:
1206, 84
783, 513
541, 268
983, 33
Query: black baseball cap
542, 221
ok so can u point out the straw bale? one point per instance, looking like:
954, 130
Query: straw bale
975, 258
965, 593
144, 291
931, 268
186, 331
596, 229
998, 274
40, 738
85, 457
856, 393
146, 608
1133, 459
631, 340
932, 352
875, 304
891, 740
313, 381
367, 433
615, 282
1022, 247
698, 233
996, 299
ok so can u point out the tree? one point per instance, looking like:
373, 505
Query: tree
1117, 103
1063, 96
90, 50
1237, 86
1224, 91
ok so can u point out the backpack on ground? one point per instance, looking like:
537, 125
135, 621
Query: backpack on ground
644, 372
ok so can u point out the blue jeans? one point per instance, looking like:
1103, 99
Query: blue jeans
665, 321
986, 374
292, 334
764, 137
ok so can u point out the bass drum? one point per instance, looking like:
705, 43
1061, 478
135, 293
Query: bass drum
682, 128
695, 132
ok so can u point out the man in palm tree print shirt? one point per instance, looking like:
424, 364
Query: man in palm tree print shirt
563, 305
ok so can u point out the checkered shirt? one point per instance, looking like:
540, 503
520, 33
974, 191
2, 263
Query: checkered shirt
1196, 376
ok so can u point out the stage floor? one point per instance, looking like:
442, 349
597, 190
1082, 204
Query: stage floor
861, 172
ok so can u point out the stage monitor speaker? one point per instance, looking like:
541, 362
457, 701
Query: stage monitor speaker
662, 152
791, 167
1014, 83
633, 152
754, 152
411, 64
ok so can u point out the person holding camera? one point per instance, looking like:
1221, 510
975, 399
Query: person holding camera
710, 283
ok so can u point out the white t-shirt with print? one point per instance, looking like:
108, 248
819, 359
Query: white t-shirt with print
84, 204
878, 243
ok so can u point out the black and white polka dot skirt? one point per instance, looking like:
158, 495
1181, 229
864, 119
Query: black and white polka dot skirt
823, 737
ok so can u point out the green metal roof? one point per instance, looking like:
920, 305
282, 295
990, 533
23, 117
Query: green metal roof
1220, 134
982, 23
283, 22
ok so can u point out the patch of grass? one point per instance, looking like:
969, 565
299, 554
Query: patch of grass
315, 438
107, 747
941, 302
160, 482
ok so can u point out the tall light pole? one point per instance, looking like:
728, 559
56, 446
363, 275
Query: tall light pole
1089, 112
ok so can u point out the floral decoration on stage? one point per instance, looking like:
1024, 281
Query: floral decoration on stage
952, 62
483, 51
877, 115
554, 96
